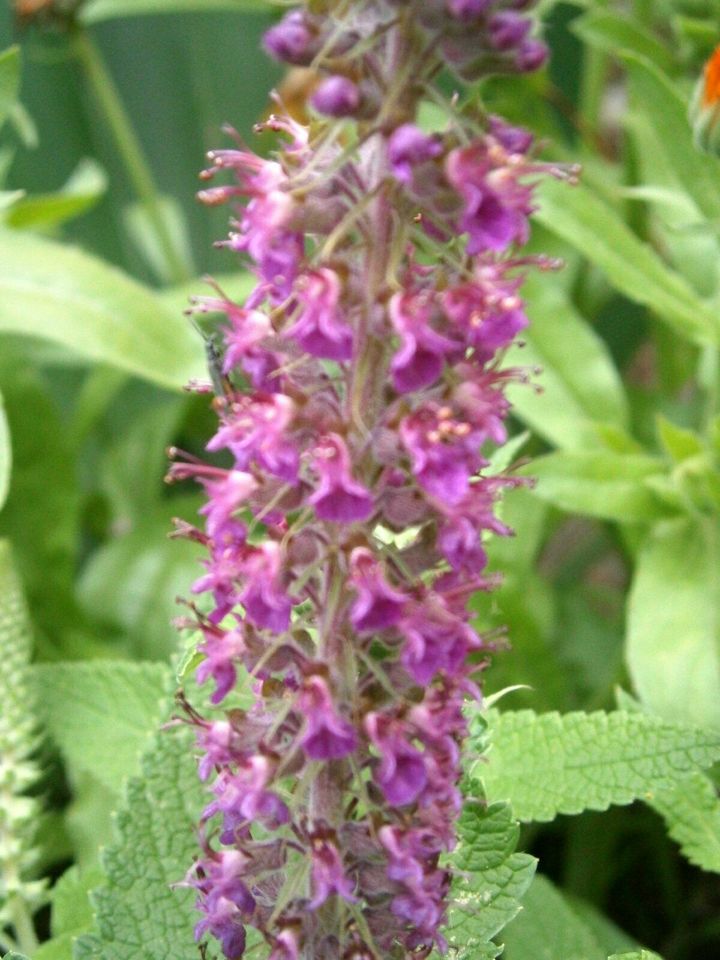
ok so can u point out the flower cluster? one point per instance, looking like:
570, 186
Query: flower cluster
362, 394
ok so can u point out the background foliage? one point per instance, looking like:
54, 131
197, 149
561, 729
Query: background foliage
611, 595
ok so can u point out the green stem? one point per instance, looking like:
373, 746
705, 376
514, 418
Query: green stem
22, 924
129, 149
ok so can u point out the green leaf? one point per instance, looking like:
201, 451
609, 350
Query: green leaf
691, 811
140, 228
492, 878
592, 227
548, 928
61, 294
71, 908
97, 10
601, 484
133, 581
546, 764
659, 100
578, 383
673, 643
5, 454
9, 81
636, 955
612, 32
80, 193
137, 912
100, 713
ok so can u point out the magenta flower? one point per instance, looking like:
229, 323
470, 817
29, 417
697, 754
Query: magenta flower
327, 735
344, 529
338, 496
321, 328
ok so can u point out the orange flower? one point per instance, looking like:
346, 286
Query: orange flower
711, 74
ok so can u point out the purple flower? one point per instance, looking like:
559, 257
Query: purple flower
336, 97
401, 771
327, 873
286, 945
445, 451
419, 361
467, 10
225, 496
265, 600
408, 147
327, 736
377, 605
255, 430
293, 40
487, 313
338, 496
225, 901
435, 640
243, 796
222, 649
496, 206
508, 29
321, 328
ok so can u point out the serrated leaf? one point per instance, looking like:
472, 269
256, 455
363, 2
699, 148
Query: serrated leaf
600, 483
61, 294
546, 764
5, 454
691, 811
137, 912
594, 229
491, 878
97, 10
578, 383
100, 713
673, 642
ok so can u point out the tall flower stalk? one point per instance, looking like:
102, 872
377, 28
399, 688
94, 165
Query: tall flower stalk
361, 391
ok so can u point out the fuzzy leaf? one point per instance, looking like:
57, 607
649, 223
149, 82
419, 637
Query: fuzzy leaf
673, 645
100, 713
492, 878
137, 914
546, 764
61, 294
691, 810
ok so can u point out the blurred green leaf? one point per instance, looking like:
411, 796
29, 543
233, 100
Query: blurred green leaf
93, 11
132, 582
9, 81
62, 294
613, 32
101, 713
143, 233
679, 442
591, 226
5, 454
546, 764
666, 111
578, 384
548, 928
80, 193
691, 811
601, 484
673, 644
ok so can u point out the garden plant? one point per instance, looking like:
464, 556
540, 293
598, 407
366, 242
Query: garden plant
360, 522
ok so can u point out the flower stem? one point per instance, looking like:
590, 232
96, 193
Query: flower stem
129, 150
